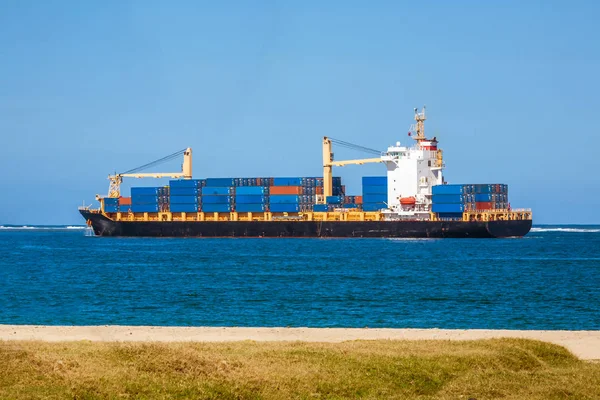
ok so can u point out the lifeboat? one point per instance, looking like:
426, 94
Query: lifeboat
408, 201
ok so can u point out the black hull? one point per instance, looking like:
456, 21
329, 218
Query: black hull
381, 229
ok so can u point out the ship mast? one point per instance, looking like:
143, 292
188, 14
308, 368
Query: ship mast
419, 127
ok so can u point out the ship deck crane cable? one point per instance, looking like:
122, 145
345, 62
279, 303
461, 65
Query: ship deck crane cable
114, 188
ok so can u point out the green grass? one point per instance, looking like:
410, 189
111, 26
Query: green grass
500, 368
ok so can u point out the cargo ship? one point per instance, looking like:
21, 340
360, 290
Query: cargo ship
411, 201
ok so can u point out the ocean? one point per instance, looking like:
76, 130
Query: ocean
549, 279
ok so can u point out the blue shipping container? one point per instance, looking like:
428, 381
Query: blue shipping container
223, 182
216, 207
375, 189
450, 215
125, 208
144, 191
484, 188
320, 208
181, 183
144, 199
183, 191
216, 200
111, 208
188, 208
374, 198
144, 208
217, 190
287, 181
248, 207
334, 199
373, 206
250, 199
252, 190
448, 208
484, 197
284, 207
284, 199
448, 189
450, 198
374, 181
350, 205
111, 200
183, 199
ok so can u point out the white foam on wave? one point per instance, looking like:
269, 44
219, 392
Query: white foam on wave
41, 228
571, 230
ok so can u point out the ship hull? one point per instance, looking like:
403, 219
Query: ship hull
103, 226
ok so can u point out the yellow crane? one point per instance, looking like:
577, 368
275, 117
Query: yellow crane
114, 188
328, 162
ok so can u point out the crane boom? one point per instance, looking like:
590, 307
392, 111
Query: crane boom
328, 163
114, 188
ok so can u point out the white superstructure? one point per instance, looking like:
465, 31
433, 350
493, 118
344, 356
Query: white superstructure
412, 171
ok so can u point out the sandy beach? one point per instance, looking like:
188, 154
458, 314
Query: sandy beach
584, 344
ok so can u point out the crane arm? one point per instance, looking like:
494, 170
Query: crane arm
154, 175
354, 162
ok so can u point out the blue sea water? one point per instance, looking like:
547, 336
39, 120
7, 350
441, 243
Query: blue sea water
549, 279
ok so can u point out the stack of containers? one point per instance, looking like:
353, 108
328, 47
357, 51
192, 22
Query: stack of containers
145, 199
124, 204
184, 195
491, 196
111, 204
450, 201
374, 193
218, 195
285, 195
252, 198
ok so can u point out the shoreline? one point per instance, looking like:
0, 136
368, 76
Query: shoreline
583, 344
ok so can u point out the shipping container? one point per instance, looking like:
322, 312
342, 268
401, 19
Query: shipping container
217, 190
285, 190
184, 191
149, 199
183, 199
249, 207
448, 208
188, 208
110, 208
374, 181
334, 199
250, 199
373, 206
482, 197
374, 198
371, 189
144, 191
358, 199
124, 208
284, 207
111, 201
217, 207
351, 205
136, 208
450, 198
185, 183
449, 189
284, 199
320, 208
452, 216
296, 181
124, 201
220, 182
216, 200
484, 205
252, 190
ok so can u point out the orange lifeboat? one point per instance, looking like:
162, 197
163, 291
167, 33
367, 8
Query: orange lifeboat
408, 201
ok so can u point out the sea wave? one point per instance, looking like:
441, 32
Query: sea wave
571, 230
41, 228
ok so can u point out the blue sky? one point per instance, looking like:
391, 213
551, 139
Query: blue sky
87, 88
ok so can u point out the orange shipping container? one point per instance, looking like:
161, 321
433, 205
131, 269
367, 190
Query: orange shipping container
285, 190
483, 205
124, 201
358, 199
319, 190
